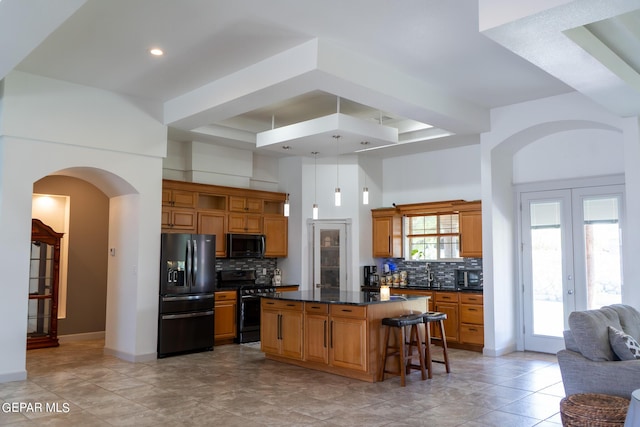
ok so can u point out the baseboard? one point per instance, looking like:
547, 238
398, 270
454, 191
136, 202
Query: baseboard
87, 336
14, 376
499, 352
131, 357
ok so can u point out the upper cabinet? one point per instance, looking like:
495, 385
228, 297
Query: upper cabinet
387, 237
387, 233
471, 230
245, 204
211, 209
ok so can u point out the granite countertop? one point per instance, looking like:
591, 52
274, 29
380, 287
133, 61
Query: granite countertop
424, 288
351, 298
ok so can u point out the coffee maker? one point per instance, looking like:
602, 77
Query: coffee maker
370, 271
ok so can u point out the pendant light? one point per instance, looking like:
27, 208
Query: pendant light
337, 196
315, 184
286, 205
365, 189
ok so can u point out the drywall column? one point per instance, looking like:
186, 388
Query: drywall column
631, 245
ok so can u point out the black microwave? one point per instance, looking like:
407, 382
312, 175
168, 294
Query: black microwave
245, 245
469, 279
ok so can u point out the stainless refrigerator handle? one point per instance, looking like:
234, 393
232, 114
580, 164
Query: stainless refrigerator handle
187, 315
169, 275
194, 272
188, 268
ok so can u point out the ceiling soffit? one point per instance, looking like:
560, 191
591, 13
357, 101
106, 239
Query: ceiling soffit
590, 45
316, 67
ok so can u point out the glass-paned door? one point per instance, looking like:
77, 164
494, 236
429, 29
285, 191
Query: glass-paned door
329, 259
571, 258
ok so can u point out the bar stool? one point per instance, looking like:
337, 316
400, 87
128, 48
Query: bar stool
428, 318
404, 355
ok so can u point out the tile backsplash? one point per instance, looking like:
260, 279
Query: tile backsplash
443, 272
256, 264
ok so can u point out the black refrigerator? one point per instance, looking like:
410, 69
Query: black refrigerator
187, 283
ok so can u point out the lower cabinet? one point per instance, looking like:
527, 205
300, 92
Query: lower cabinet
336, 335
281, 329
447, 302
316, 332
348, 337
226, 309
465, 316
472, 319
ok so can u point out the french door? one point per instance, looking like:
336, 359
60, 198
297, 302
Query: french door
571, 258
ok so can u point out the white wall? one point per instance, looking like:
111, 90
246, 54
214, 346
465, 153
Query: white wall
433, 176
56, 127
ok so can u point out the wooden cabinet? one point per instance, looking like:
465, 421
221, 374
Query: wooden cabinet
447, 302
348, 337
214, 223
245, 223
226, 309
281, 329
336, 335
387, 233
179, 198
44, 276
471, 233
316, 332
472, 319
178, 220
211, 209
465, 316
245, 204
276, 231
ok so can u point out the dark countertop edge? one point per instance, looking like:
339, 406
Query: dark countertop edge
234, 288
294, 296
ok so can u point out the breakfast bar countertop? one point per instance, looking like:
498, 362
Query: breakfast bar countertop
350, 298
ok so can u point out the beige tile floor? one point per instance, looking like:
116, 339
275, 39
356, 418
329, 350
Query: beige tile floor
235, 386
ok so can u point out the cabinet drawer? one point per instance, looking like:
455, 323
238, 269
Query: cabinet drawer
471, 299
352, 311
225, 296
282, 304
471, 314
446, 297
316, 308
472, 334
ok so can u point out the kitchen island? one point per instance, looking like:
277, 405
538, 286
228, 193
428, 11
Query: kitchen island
339, 333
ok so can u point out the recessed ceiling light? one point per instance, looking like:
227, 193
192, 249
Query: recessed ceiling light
156, 51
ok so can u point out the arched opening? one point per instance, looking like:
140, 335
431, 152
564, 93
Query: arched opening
499, 217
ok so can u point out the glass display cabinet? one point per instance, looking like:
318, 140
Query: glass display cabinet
44, 273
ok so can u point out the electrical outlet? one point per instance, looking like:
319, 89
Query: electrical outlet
264, 271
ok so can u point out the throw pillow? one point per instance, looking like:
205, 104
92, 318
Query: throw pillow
623, 345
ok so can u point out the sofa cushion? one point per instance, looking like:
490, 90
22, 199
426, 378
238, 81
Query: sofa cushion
629, 319
623, 345
590, 331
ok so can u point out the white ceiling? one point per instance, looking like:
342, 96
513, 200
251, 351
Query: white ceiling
233, 69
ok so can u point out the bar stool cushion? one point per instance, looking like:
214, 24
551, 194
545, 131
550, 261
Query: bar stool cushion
400, 321
433, 316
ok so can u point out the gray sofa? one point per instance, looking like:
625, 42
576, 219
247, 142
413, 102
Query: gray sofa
590, 364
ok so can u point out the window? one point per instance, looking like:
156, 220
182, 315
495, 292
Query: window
432, 237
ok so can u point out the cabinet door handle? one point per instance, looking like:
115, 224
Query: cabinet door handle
325, 334
346, 310
279, 326
331, 333
472, 309
389, 244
